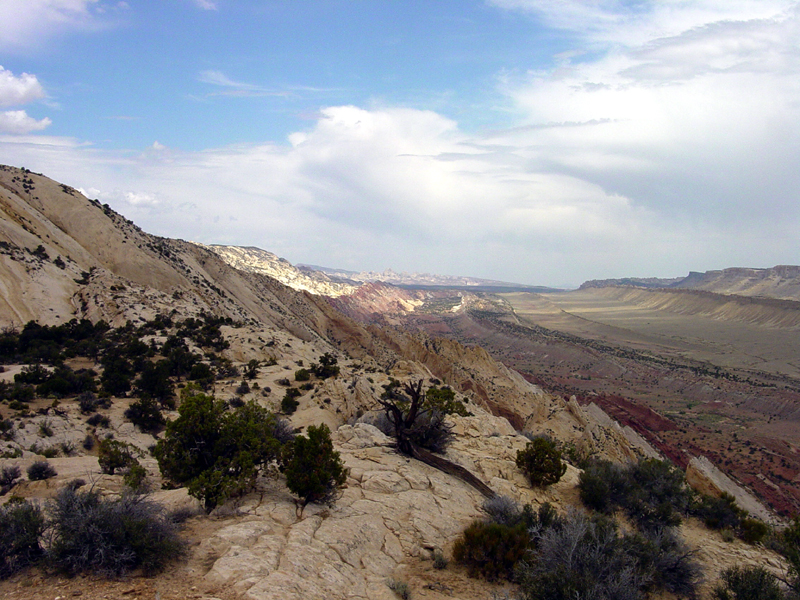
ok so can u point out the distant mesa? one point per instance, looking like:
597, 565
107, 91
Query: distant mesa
781, 282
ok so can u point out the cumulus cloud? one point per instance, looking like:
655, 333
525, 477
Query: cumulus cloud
29, 23
373, 189
666, 141
18, 122
18, 90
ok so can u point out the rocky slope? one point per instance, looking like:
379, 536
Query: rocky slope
256, 260
394, 513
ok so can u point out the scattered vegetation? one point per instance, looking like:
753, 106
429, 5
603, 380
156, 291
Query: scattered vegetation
541, 462
653, 492
41, 470
400, 588
21, 527
748, 583
110, 536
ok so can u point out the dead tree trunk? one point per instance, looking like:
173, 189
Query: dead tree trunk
451, 468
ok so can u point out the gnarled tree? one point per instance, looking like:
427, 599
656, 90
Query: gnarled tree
419, 427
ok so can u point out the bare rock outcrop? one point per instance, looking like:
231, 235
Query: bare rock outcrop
706, 478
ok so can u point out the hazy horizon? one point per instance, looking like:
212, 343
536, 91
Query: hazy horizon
528, 141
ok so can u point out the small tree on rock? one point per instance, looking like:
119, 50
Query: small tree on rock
314, 470
418, 425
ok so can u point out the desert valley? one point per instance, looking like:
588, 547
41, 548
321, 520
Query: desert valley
701, 372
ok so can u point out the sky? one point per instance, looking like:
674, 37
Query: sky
544, 142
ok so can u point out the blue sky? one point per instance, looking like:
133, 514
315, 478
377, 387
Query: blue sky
539, 141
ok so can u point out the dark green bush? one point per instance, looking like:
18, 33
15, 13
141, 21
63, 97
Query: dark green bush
747, 583
314, 470
136, 478
789, 546
87, 402
657, 495
8, 477
491, 550
718, 513
289, 403
154, 383
98, 420
251, 370
215, 452
540, 461
302, 375
753, 531
327, 366
21, 528
652, 492
111, 537
116, 456
145, 413
41, 470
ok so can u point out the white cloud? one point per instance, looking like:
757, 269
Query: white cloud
18, 90
666, 141
137, 198
30, 23
18, 122
633, 23
378, 188
206, 4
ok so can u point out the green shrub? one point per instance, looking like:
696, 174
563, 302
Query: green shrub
327, 366
439, 561
289, 403
314, 470
145, 413
111, 537
41, 470
747, 583
113, 456
652, 492
753, 531
302, 375
540, 461
154, 383
215, 452
491, 550
718, 513
251, 370
21, 527
657, 494
400, 588
136, 478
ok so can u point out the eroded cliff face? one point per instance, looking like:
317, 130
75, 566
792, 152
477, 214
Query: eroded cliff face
256, 260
